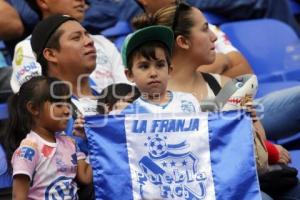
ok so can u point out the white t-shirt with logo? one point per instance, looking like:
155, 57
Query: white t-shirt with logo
109, 67
179, 102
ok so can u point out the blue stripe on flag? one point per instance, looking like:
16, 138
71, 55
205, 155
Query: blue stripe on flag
228, 161
109, 158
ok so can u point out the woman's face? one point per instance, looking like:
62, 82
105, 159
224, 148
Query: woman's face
201, 39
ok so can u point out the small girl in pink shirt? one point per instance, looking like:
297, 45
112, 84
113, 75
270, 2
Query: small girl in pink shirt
47, 161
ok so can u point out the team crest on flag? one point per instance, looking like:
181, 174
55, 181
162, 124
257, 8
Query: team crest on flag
172, 169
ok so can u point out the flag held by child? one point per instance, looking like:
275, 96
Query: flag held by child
178, 156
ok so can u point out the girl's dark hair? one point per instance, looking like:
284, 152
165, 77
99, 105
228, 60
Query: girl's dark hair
147, 50
37, 90
177, 17
115, 92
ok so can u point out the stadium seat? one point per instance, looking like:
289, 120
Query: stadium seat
266, 88
292, 58
296, 160
292, 61
121, 28
264, 43
3, 62
5, 177
290, 143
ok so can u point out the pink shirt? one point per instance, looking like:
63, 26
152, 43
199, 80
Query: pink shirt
51, 167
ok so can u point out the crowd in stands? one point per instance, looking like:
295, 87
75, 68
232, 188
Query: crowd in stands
47, 41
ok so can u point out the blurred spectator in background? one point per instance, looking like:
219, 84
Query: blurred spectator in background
10, 22
12, 30
103, 14
28, 17
244, 9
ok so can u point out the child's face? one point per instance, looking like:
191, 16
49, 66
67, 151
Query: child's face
150, 76
54, 116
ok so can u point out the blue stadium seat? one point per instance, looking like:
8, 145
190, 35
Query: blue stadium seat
290, 143
264, 43
121, 28
292, 58
3, 62
296, 160
2, 45
292, 61
266, 88
5, 177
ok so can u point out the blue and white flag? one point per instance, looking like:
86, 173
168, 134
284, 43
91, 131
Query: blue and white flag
177, 156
